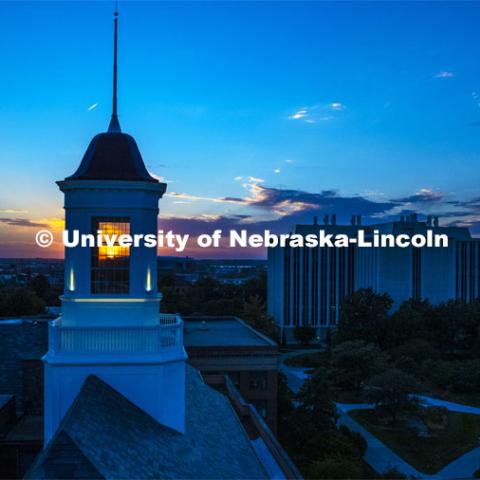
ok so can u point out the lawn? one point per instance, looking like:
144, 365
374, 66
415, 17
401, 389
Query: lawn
428, 455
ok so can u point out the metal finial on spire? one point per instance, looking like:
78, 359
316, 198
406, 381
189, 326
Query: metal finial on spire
114, 123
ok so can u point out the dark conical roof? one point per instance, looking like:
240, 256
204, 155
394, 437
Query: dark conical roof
112, 156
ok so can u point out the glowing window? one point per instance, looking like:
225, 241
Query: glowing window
111, 263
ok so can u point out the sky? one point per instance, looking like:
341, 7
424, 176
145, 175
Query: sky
255, 114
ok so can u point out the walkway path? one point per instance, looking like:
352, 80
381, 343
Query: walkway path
452, 406
378, 455
381, 458
296, 375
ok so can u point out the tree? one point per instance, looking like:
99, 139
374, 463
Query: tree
391, 392
354, 362
257, 287
284, 398
453, 327
255, 313
436, 418
408, 321
305, 334
20, 301
166, 281
393, 474
253, 309
336, 467
364, 316
417, 349
337, 442
309, 434
460, 376
360, 444
313, 415
41, 287
222, 306
316, 398
285, 408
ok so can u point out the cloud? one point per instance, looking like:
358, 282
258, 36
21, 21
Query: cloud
289, 207
233, 199
318, 113
337, 106
12, 210
299, 115
423, 195
263, 203
91, 107
54, 224
278, 209
279, 202
177, 196
276, 170
444, 74
286, 206
238, 178
21, 222
285, 202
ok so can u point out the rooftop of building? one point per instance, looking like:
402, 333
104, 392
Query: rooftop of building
29, 428
222, 331
4, 399
104, 435
405, 224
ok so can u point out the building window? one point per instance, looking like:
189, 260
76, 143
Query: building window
257, 381
110, 264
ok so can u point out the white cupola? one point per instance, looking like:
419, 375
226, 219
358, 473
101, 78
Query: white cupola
111, 324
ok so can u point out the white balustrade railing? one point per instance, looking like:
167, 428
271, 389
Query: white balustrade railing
166, 336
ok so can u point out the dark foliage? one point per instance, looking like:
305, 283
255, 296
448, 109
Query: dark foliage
211, 297
304, 334
391, 392
20, 302
354, 362
364, 316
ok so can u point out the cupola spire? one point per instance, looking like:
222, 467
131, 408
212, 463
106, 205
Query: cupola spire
114, 126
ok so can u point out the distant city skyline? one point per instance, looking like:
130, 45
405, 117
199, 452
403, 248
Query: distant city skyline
257, 115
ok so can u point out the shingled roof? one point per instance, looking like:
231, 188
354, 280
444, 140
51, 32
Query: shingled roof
104, 435
112, 156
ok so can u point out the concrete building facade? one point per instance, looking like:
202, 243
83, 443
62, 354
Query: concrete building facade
306, 286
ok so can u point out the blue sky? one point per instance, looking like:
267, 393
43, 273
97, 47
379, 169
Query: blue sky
252, 112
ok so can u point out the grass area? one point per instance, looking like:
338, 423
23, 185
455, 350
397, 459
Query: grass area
308, 360
431, 454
